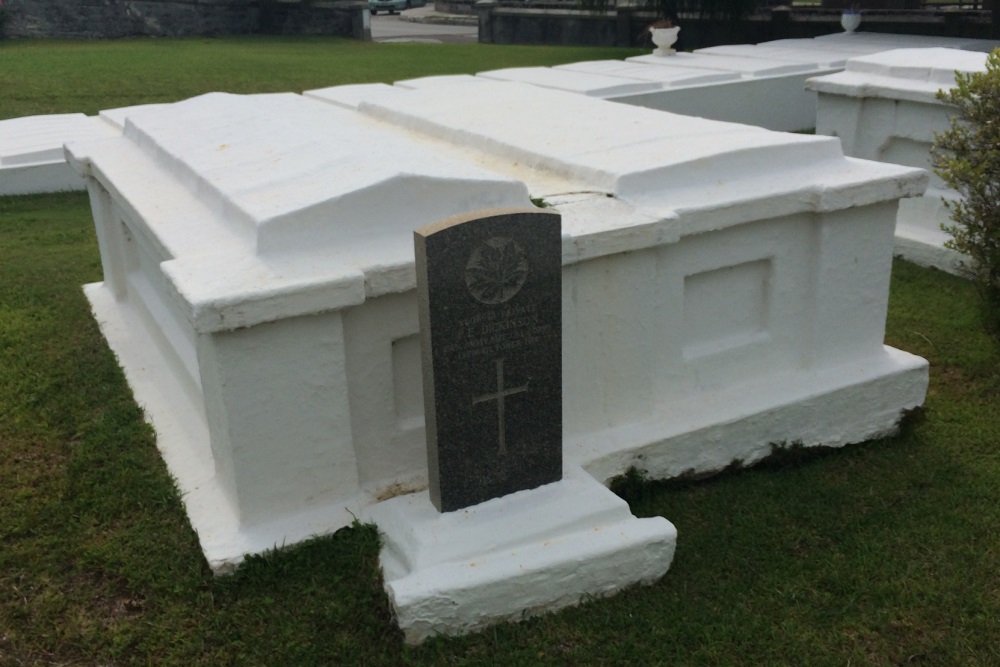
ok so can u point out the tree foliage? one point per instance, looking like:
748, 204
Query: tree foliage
967, 158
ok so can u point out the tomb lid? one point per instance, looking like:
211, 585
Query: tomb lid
908, 74
288, 173
429, 81
883, 41
856, 47
40, 139
116, 117
271, 206
643, 156
584, 83
675, 77
827, 58
350, 96
747, 67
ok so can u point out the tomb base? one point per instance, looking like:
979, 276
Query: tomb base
512, 557
919, 237
29, 179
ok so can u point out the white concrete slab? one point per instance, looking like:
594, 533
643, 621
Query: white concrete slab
834, 50
584, 83
905, 74
839, 43
732, 88
825, 58
31, 152
666, 75
434, 81
760, 84
888, 41
117, 117
720, 91
524, 554
776, 103
350, 97
749, 68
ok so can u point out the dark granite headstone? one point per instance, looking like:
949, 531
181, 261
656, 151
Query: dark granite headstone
489, 288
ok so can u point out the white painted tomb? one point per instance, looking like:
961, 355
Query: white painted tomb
888, 41
767, 94
32, 159
31, 152
116, 117
724, 288
883, 107
667, 76
717, 87
763, 85
584, 83
833, 50
823, 57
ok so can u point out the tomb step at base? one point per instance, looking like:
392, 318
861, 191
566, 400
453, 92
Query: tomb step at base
919, 237
852, 402
509, 558
27, 179
916, 249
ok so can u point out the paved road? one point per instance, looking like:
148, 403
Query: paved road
390, 28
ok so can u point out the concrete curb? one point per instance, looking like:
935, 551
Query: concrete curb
441, 19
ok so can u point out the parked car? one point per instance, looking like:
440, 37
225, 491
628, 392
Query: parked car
393, 6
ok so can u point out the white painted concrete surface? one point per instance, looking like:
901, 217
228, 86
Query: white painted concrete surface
508, 558
884, 107
31, 152
760, 85
668, 76
585, 83
725, 288
267, 264
719, 87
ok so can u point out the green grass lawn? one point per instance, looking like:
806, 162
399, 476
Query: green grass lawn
39, 77
886, 553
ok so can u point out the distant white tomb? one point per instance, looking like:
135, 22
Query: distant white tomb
724, 288
883, 107
719, 87
32, 158
761, 84
31, 152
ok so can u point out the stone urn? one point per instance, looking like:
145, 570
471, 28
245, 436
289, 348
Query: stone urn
850, 21
664, 38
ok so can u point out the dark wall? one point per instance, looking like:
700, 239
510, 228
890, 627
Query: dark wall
509, 26
506, 24
101, 19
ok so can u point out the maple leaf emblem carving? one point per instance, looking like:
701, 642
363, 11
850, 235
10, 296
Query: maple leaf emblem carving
496, 270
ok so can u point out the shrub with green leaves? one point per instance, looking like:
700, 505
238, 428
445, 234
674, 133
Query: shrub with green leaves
967, 158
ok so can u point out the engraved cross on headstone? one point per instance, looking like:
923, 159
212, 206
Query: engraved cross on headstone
499, 397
